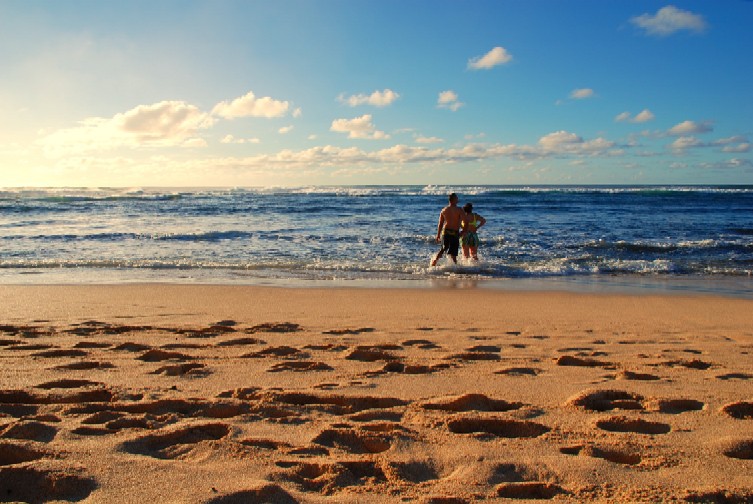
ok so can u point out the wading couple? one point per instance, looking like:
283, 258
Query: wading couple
455, 225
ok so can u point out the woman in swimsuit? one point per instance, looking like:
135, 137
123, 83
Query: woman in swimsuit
469, 236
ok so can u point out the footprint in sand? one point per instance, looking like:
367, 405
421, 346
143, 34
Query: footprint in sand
472, 402
519, 481
11, 453
377, 415
735, 376
676, 406
282, 327
374, 353
690, 364
280, 351
349, 332
182, 346
498, 427
333, 404
18, 410
529, 490
162, 355
615, 454
29, 484
68, 384
263, 494
421, 343
334, 477
241, 342
29, 430
51, 354
132, 347
411, 369
300, 366
92, 345
193, 369
605, 400
739, 449
519, 371
30, 347
354, 440
630, 375
571, 360
85, 366
741, 410
636, 425
176, 444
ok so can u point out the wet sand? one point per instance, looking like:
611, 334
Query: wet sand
220, 394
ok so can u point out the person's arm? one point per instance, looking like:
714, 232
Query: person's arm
440, 226
464, 222
481, 222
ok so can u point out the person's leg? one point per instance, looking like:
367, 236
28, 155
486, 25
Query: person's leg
467, 251
474, 252
454, 247
438, 256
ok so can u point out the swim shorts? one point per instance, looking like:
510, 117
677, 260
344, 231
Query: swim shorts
470, 239
451, 241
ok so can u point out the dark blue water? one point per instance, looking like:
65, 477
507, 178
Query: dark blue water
373, 233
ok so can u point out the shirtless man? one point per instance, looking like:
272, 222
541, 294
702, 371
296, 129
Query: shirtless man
450, 219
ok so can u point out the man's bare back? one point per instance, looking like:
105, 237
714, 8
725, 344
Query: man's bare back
450, 219
453, 215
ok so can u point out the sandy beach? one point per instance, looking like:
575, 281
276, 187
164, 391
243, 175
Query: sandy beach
224, 394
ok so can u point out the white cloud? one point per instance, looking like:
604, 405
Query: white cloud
495, 57
644, 116
740, 148
690, 128
564, 142
582, 93
285, 130
249, 105
376, 99
449, 100
230, 139
428, 140
167, 123
297, 112
669, 20
625, 116
733, 145
359, 127
686, 142
162, 121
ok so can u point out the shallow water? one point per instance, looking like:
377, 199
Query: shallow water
598, 236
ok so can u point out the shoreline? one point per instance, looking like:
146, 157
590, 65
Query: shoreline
728, 287
210, 394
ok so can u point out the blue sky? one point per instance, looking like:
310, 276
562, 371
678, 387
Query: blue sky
300, 92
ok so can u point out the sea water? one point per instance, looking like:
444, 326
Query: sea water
592, 237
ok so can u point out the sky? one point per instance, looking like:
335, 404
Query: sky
327, 92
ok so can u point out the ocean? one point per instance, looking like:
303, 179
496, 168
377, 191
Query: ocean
685, 238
